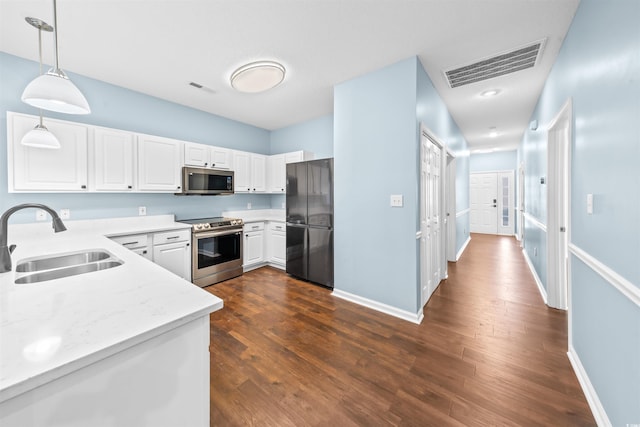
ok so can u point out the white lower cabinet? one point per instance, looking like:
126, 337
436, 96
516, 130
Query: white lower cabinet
253, 248
168, 249
172, 250
277, 243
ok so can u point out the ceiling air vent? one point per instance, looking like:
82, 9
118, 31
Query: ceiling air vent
499, 65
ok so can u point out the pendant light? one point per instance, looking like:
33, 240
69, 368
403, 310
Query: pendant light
40, 136
54, 91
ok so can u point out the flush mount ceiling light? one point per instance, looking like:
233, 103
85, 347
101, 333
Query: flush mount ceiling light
40, 136
54, 91
257, 76
489, 93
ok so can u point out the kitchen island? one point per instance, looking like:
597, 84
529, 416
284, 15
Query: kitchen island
127, 345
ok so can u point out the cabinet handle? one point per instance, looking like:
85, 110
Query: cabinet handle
144, 252
213, 165
129, 243
205, 163
187, 244
178, 187
255, 227
173, 237
129, 187
83, 186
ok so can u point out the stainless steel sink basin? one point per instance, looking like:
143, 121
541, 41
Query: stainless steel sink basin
57, 266
61, 260
67, 271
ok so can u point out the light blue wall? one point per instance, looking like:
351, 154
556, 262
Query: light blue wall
434, 114
376, 150
599, 68
120, 108
490, 162
314, 135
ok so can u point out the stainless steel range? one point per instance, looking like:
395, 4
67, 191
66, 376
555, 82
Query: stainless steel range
217, 249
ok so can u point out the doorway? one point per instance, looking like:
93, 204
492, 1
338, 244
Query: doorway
491, 202
558, 178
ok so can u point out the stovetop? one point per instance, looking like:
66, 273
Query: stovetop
203, 224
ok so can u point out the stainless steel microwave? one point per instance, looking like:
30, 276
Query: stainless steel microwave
205, 182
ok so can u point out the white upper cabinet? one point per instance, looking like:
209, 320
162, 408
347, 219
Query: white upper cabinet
41, 169
159, 164
196, 154
113, 160
250, 172
277, 169
221, 158
207, 156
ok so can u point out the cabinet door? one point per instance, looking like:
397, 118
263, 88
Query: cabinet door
113, 160
276, 173
242, 169
278, 245
143, 252
254, 248
220, 158
196, 154
175, 257
258, 173
41, 169
159, 164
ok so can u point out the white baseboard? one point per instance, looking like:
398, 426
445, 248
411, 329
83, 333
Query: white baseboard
587, 388
464, 246
378, 306
543, 292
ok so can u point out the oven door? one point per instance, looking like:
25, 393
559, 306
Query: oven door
216, 252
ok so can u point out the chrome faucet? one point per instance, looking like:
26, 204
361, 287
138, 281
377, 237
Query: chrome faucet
5, 252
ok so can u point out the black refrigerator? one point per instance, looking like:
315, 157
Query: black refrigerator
310, 221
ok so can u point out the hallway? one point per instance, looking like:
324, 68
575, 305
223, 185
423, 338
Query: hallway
488, 352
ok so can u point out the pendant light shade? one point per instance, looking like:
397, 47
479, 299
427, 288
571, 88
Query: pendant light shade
40, 137
54, 91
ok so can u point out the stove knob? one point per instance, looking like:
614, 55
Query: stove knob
197, 226
206, 226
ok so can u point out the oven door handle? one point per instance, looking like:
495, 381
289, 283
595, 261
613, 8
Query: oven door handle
216, 233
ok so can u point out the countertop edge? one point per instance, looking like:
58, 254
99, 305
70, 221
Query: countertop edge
46, 377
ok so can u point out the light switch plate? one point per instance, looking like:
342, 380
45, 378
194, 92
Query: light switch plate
41, 215
396, 200
142, 210
65, 214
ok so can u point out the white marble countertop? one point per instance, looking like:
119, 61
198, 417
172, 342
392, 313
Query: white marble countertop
51, 328
257, 215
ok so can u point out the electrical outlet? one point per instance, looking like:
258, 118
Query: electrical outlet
249, 205
284, 205
41, 215
142, 210
396, 200
590, 204
65, 214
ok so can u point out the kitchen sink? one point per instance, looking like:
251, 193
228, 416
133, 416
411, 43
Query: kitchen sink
61, 260
57, 266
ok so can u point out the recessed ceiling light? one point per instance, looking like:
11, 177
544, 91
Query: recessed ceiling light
493, 132
257, 76
489, 93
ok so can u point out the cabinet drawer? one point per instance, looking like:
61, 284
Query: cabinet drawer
254, 226
131, 241
171, 236
277, 226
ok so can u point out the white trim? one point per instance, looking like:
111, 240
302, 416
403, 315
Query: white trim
535, 221
543, 292
589, 391
463, 212
620, 283
464, 246
378, 306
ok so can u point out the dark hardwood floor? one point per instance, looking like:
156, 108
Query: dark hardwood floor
488, 352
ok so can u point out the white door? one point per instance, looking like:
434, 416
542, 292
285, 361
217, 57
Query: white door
558, 173
483, 193
430, 216
505, 203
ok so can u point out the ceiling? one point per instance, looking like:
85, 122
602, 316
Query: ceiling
158, 47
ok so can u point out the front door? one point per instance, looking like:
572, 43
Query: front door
483, 192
